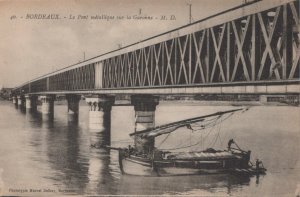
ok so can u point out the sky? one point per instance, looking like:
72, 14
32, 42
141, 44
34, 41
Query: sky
31, 47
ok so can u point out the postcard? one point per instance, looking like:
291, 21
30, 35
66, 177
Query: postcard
149, 98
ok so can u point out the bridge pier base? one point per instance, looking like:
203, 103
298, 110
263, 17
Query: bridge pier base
47, 104
73, 106
15, 100
21, 101
100, 112
31, 103
144, 106
263, 98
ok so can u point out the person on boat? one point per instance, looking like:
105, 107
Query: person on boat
157, 154
230, 142
257, 164
130, 150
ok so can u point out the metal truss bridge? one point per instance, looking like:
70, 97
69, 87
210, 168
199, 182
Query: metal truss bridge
250, 49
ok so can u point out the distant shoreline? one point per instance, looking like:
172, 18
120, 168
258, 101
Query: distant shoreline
223, 103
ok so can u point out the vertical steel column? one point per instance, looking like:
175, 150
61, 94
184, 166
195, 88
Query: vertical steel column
287, 41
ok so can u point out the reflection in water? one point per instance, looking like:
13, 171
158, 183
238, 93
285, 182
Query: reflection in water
67, 158
74, 164
59, 152
16, 106
48, 119
100, 139
182, 184
257, 179
21, 108
100, 178
102, 136
73, 118
34, 119
31, 110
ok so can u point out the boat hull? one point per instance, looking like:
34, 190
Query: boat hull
175, 171
134, 165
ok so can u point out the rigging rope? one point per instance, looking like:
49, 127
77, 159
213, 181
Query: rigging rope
164, 140
215, 140
203, 126
201, 139
221, 141
187, 146
211, 128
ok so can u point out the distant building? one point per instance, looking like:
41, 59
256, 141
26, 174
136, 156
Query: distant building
5, 93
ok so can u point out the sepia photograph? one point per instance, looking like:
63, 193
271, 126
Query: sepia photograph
150, 98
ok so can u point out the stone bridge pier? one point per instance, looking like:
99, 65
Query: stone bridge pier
15, 100
47, 105
144, 106
31, 103
21, 101
100, 112
73, 107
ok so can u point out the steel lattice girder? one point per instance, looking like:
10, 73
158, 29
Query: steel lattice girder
258, 46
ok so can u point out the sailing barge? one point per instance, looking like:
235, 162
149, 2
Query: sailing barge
154, 162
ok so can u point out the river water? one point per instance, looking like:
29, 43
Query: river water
55, 157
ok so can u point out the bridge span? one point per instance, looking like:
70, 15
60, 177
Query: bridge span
250, 49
